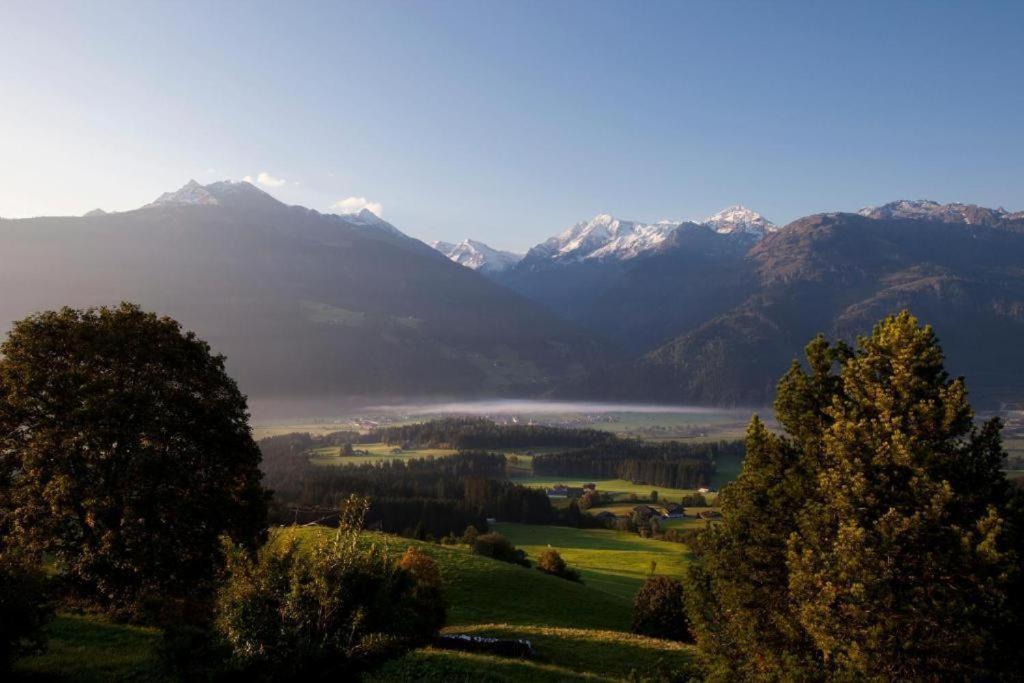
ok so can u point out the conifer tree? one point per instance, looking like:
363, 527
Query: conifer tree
877, 539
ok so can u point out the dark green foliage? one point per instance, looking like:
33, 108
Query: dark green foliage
659, 609
444, 494
126, 451
324, 609
550, 562
670, 464
25, 607
497, 547
877, 540
463, 433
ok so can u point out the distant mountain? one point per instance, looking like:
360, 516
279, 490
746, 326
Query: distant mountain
606, 238
713, 311
303, 304
739, 220
958, 267
924, 209
478, 256
638, 284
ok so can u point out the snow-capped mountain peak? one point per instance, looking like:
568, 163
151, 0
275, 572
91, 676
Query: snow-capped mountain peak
605, 237
955, 212
224, 191
739, 219
477, 255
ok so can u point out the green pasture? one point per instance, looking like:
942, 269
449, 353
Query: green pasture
611, 562
377, 452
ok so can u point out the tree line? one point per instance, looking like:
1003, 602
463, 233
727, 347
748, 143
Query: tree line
468, 433
440, 495
665, 464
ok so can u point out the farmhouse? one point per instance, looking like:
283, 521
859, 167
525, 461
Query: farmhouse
674, 511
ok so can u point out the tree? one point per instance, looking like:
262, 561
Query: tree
902, 568
877, 539
126, 451
497, 547
550, 562
659, 609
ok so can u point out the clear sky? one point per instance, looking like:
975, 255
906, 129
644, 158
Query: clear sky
510, 121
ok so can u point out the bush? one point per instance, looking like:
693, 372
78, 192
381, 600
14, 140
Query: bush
469, 535
550, 562
496, 546
658, 610
326, 609
25, 608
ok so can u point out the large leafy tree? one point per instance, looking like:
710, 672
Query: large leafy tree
876, 539
125, 452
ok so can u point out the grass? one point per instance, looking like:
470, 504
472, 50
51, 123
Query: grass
562, 654
579, 631
378, 452
619, 488
612, 562
91, 648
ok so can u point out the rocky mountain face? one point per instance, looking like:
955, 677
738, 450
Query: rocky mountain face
302, 303
839, 274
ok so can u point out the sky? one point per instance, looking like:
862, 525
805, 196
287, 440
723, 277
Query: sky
508, 122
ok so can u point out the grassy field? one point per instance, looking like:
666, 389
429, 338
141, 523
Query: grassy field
378, 452
579, 631
612, 562
619, 488
90, 648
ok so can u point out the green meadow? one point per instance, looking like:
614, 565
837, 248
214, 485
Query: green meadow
377, 452
579, 631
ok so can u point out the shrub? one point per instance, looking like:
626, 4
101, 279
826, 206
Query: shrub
496, 546
469, 535
25, 607
658, 610
326, 610
550, 562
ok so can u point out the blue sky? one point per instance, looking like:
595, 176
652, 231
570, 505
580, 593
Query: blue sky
510, 121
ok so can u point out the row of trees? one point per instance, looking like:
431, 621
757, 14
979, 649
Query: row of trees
664, 464
466, 433
441, 495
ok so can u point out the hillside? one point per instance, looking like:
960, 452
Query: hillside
302, 303
838, 274
578, 632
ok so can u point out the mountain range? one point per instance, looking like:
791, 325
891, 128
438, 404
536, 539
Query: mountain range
708, 311
302, 303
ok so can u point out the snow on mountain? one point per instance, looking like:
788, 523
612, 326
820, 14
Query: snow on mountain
926, 209
739, 219
477, 255
368, 219
605, 237
192, 193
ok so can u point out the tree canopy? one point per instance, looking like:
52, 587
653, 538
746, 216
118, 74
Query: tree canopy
877, 539
125, 452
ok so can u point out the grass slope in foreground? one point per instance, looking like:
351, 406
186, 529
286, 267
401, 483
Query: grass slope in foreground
579, 632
